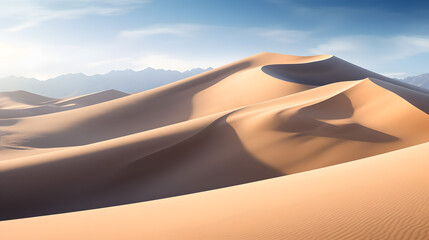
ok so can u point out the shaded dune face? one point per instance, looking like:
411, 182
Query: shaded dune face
337, 128
309, 121
322, 72
266, 116
175, 170
334, 69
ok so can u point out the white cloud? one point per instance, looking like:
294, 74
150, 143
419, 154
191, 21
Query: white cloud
160, 29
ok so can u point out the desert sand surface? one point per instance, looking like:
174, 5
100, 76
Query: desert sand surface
380, 197
268, 147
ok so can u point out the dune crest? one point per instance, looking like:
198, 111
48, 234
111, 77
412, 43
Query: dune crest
21, 99
262, 117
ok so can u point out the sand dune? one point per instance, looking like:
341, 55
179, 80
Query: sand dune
21, 99
24, 104
155, 108
265, 116
20, 104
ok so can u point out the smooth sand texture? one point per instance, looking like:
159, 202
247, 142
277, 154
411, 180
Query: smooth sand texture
265, 116
381, 197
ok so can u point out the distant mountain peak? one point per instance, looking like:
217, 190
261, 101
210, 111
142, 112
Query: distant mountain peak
74, 84
421, 80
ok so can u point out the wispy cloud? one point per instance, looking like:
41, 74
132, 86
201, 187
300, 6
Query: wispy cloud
338, 46
395, 75
23, 14
108, 62
61, 15
283, 35
387, 48
407, 46
162, 29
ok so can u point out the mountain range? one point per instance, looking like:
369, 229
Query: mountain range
421, 80
128, 81
75, 84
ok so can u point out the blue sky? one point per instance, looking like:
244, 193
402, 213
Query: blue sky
46, 38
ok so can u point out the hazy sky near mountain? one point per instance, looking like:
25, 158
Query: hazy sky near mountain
45, 38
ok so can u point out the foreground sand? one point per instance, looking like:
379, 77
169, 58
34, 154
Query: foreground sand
266, 116
381, 197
